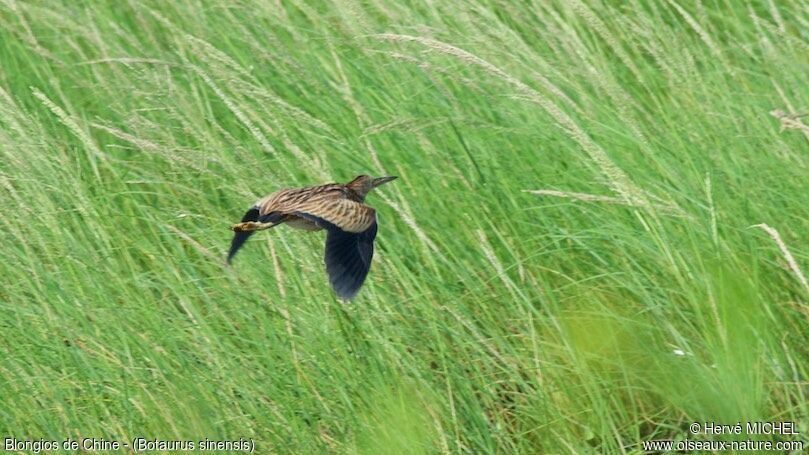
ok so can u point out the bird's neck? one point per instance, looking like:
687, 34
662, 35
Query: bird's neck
355, 195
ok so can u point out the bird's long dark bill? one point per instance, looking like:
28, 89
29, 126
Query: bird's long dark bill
383, 180
240, 237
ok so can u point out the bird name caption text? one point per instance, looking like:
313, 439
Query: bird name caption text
137, 445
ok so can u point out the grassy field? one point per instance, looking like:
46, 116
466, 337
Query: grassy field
567, 263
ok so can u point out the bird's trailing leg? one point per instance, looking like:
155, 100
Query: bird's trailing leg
250, 226
251, 222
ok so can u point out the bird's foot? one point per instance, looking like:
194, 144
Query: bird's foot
251, 226
246, 226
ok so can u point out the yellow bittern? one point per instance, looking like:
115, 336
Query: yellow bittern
339, 209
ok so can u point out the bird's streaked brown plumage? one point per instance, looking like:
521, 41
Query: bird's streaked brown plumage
340, 209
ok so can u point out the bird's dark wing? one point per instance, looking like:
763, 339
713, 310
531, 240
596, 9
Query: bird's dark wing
240, 237
348, 254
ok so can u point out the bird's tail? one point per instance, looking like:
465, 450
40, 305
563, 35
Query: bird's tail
240, 237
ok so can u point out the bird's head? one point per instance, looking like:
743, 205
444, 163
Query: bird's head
363, 184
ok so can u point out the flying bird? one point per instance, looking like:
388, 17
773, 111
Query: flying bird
338, 208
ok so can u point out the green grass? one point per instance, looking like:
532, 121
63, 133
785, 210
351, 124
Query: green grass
494, 320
